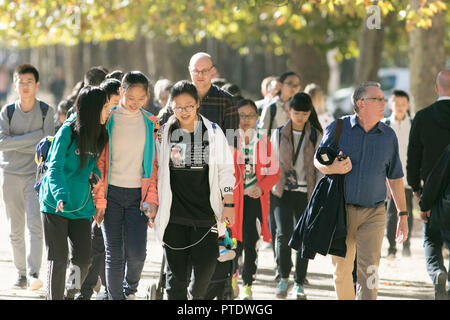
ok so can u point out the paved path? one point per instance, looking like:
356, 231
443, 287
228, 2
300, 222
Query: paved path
402, 278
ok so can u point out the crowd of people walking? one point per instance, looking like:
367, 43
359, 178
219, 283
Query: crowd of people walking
197, 160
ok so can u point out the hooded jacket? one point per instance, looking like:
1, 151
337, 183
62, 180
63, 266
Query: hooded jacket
267, 175
221, 174
429, 136
65, 181
150, 172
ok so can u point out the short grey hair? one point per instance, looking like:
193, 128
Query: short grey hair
360, 92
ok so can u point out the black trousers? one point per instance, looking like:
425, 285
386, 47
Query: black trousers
200, 258
434, 238
273, 225
57, 230
288, 211
250, 236
97, 268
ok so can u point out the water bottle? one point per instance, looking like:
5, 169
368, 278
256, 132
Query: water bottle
145, 208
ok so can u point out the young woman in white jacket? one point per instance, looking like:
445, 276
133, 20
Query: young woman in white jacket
195, 190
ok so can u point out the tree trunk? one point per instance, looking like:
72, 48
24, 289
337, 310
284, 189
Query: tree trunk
72, 65
334, 82
370, 50
310, 64
426, 59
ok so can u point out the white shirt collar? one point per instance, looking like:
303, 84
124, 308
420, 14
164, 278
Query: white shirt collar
443, 98
392, 118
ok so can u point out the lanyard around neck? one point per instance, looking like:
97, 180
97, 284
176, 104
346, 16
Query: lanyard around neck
299, 145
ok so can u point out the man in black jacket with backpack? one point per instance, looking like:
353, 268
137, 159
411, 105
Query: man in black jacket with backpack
429, 136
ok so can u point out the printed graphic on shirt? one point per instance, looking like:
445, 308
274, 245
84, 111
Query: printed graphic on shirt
178, 155
250, 168
189, 151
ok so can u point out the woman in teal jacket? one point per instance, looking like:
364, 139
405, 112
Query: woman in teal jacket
65, 195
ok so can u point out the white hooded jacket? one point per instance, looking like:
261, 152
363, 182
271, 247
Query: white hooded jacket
221, 173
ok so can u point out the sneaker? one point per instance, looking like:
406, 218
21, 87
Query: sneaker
440, 293
98, 286
130, 297
21, 283
406, 252
34, 283
234, 285
226, 254
247, 293
391, 256
282, 289
298, 292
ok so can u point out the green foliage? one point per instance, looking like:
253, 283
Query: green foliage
261, 24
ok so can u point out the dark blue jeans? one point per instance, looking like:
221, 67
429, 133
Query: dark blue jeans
125, 233
288, 211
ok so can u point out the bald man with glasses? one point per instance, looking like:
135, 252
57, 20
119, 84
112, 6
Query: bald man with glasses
216, 104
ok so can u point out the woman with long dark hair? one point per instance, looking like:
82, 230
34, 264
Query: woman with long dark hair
65, 194
294, 144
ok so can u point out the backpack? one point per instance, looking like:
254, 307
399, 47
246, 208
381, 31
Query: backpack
41, 157
12, 107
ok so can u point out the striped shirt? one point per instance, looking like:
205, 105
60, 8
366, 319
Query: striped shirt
250, 164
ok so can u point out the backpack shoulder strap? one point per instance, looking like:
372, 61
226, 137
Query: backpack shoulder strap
313, 135
44, 108
72, 136
273, 112
10, 111
279, 134
338, 132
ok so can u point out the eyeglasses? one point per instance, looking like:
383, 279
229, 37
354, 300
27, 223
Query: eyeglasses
247, 116
292, 85
25, 84
200, 72
376, 99
185, 109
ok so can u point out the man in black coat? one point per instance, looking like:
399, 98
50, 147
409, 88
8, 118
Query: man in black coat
429, 136
436, 196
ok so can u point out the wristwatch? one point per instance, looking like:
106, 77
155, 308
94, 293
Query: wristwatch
403, 213
228, 205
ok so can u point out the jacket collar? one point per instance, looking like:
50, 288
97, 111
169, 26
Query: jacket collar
354, 122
